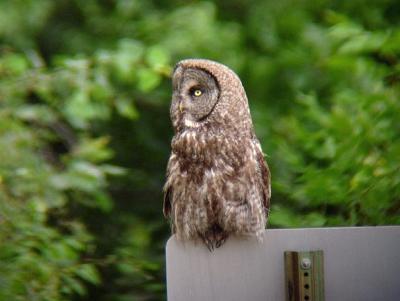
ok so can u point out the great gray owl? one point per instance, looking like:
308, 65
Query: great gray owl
217, 183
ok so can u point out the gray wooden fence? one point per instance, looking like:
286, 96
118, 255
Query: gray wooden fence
360, 263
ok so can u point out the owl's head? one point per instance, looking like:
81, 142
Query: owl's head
205, 91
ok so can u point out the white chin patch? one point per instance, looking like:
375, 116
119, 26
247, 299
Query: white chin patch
189, 123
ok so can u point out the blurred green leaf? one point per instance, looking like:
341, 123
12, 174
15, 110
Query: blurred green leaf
148, 79
94, 149
89, 273
13, 64
126, 108
157, 57
38, 113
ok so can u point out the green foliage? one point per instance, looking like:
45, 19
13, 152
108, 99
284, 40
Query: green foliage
85, 131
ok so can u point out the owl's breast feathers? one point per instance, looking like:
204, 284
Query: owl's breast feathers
216, 179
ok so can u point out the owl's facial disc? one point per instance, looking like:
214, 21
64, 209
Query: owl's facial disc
199, 93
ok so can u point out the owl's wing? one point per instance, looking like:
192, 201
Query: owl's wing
167, 201
167, 189
265, 178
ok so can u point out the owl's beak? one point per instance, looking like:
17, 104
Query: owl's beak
181, 107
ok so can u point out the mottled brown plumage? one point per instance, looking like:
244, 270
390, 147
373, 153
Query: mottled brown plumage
218, 183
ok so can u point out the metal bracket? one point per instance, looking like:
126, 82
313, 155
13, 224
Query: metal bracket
304, 276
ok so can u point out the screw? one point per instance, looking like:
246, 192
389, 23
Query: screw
306, 263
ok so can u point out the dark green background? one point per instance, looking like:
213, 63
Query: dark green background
85, 129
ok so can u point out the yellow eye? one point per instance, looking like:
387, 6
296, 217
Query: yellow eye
197, 92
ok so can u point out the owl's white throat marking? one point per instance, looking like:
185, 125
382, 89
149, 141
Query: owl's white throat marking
191, 124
